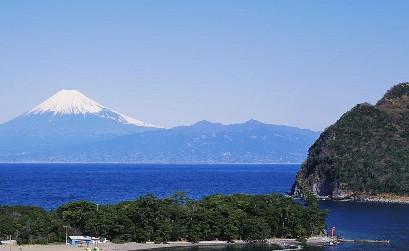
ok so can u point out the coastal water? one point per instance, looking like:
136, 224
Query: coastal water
50, 185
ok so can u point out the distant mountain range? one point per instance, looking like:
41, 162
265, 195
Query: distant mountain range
70, 127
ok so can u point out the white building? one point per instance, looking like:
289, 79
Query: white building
85, 240
9, 242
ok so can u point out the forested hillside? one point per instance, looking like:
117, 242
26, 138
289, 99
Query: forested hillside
366, 152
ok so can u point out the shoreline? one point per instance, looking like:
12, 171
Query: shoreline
284, 244
386, 198
380, 198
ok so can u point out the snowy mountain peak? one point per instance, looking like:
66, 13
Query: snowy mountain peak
68, 102
73, 102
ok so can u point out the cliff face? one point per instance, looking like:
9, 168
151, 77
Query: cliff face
365, 153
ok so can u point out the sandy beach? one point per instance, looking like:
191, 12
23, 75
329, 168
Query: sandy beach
143, 246
110, 246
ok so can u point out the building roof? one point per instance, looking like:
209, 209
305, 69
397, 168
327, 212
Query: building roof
6, 242
80, 238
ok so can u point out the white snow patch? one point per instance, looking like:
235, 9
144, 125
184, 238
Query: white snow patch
132, 121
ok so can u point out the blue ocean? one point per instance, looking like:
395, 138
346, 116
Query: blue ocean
51, 185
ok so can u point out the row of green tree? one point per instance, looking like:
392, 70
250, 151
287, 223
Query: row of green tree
222, 217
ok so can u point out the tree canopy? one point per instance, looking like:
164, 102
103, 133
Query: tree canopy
148, 218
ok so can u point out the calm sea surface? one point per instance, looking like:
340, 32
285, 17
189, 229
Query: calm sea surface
50, 185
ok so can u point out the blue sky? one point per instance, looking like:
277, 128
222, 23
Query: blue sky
300, 63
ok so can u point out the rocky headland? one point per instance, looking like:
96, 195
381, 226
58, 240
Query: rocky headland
364, 156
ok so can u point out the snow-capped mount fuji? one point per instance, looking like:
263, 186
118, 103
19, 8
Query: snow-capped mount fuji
70, 127
66, 119
73, 102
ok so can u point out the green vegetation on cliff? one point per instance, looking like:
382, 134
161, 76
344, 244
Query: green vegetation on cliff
246, 217
365, 152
